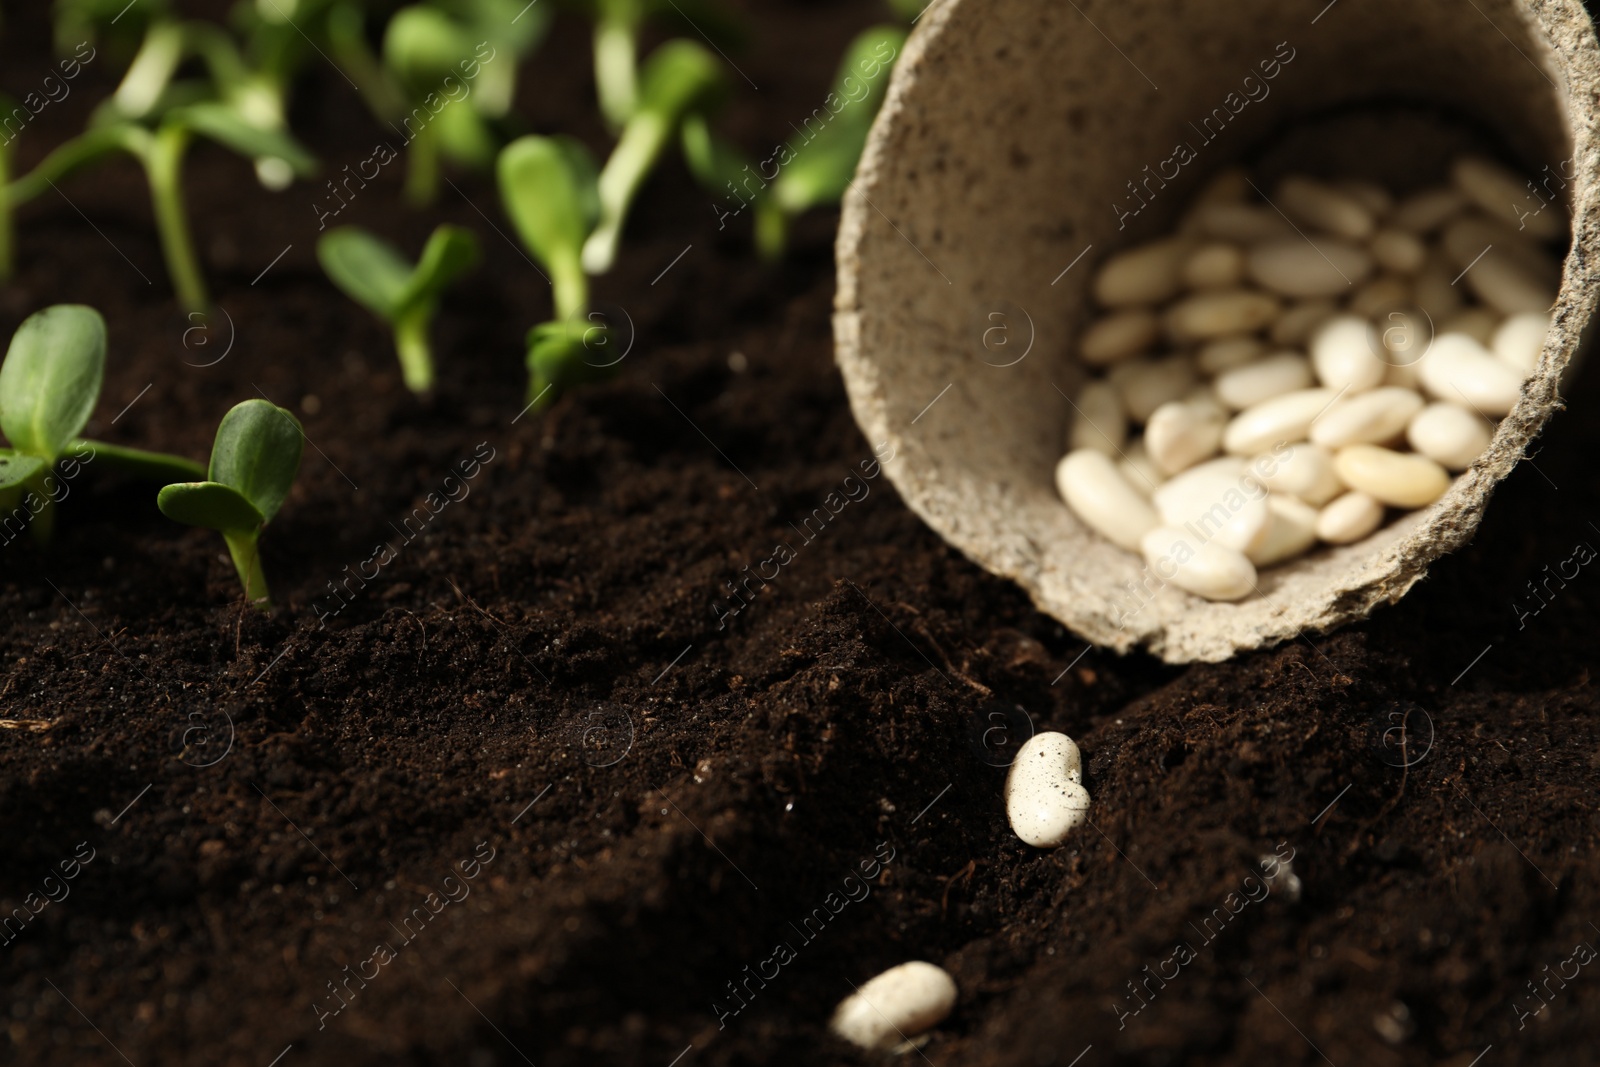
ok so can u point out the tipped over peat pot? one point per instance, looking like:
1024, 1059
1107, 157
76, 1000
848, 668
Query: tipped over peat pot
1022, 143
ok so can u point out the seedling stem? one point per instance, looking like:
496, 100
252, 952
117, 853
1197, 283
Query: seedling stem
422, 167
411, 345
244, 547
163, 160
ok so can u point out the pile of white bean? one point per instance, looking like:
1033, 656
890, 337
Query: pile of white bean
1325, 355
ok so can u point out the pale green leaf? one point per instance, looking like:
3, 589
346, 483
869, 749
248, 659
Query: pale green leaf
51, 378
257, 452
209, 504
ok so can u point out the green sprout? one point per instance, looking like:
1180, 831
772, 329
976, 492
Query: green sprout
49, 385
153, 118
716, 163
375, 275
571, 217
253, 464
160, 151
616, 57
817, 166
679, 78
825, 162
255, 89
551, 191
346, 34
79, 21
908, 10
446, 57
617, 27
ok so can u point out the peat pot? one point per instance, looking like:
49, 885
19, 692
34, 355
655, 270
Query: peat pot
1000, 173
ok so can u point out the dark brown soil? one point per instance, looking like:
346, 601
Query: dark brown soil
537, 693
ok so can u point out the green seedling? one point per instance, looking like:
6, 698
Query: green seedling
716, 163
617, 27
823, 159
253, 464
345, 32
908, 10
79, 21
814, 168
154, 118
256, 88
679, 78
550, 190
49, 385
160, 151
375, 275
456, 63
616, 57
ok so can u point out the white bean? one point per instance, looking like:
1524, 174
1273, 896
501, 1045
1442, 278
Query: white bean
1140, 470
1366, 418
1466, 238
897, 1005
1398, 251
1304, 470
1230, 185
1459, 369
1387, 292
1101, 497
1181, 433
1098, 421
1370, 195
1349, 518
1281, 420
1505, 196
1291, 529
1147, 384
1344, 353
1245, 223
1205, 397
1520, 339
1404, 375
1207, 569
1449, 434
1399, 479
1147, 274
1045, 798
1217, 501
1502, 267
1508, 288
1220, 313
1299, 321
1217, 265
1435, 295
1325, 207
1118, 336
1225, 353
1478, 323
1405, 335
1301, 267
1424, 212
1247, 386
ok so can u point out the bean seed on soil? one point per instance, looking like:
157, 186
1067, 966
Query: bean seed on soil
896, 1006
1045, 798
